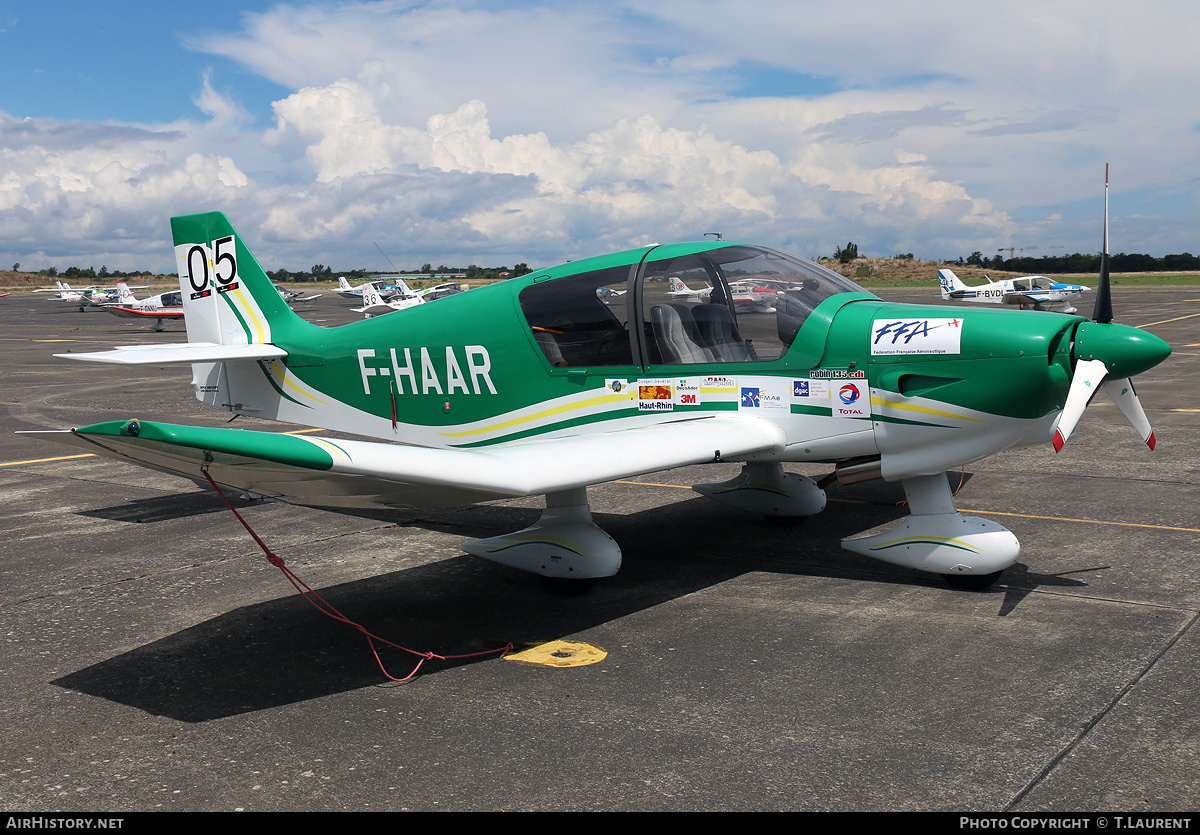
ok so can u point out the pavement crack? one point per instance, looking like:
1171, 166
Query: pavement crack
1071, 746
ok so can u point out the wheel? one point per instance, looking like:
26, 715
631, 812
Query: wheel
784, 521
569, 588
972, 582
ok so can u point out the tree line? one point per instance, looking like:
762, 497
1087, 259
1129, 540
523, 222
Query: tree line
1053, 264
322, 273
89, 272
318, 272
1122, 262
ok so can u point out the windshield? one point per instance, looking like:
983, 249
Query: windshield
733, 304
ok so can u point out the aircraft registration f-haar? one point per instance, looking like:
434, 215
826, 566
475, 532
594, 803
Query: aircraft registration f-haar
592, 371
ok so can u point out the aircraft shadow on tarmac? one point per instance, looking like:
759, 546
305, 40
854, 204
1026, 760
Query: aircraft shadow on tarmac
282, 651
165, 508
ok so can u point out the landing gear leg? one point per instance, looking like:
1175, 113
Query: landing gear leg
971, 552
564, 543
767, 489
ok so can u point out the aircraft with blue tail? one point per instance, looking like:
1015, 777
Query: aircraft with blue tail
1035, 292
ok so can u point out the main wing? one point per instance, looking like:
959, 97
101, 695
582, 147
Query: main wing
327, 472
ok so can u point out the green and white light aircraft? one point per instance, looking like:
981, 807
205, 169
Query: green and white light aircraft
594, 371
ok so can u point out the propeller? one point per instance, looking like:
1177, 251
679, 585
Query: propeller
1103, 350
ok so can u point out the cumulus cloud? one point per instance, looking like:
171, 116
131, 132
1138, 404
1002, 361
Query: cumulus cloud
459, 132
81, 188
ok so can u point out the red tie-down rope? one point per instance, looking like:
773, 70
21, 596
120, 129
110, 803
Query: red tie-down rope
326, 608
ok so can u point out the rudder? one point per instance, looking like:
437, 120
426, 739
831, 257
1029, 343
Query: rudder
950, 282
227, 297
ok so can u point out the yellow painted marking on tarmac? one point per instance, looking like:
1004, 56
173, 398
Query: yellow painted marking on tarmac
559, 654
988, 512
1183, 410
43, 460
302, 431
1164, 321
1085, 521
653, 484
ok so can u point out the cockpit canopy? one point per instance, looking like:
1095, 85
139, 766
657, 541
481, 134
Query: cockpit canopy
735, 303
1032, 282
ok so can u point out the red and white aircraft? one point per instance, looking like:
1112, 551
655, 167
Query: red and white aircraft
160, 307
748, 295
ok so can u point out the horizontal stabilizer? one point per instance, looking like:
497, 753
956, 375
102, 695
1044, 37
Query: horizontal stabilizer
348, 473
182, 353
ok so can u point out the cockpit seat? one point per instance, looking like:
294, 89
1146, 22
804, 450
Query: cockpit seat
719, 333
675, 345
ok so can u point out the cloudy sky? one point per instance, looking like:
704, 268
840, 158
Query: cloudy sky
499, 132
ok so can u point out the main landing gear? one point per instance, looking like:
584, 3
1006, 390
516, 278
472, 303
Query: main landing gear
971, 553
564, 545
570, 552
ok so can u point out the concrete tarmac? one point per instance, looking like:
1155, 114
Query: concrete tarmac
153, 659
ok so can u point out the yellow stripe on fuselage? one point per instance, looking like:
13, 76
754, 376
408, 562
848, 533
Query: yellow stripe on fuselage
557, 410
286, 380
924, 410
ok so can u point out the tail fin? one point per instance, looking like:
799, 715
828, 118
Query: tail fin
124, 294
677, 286
371, 298
950, 282
227, 297
343, 284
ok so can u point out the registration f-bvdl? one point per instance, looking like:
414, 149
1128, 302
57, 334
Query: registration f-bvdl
596, 370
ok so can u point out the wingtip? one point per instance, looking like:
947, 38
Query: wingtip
1059, 440
1151, 441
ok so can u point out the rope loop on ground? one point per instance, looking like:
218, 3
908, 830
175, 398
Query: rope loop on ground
326, 608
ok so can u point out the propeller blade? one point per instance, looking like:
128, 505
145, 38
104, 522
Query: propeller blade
1123, 394
1084, 385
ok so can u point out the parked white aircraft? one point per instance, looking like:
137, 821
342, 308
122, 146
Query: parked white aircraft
1035, 291
160, 307
748, 295
385, 288
374, 304
293, 298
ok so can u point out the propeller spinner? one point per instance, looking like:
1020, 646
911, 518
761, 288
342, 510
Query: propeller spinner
1104, 349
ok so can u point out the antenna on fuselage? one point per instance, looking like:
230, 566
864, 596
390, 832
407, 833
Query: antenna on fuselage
720, 237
